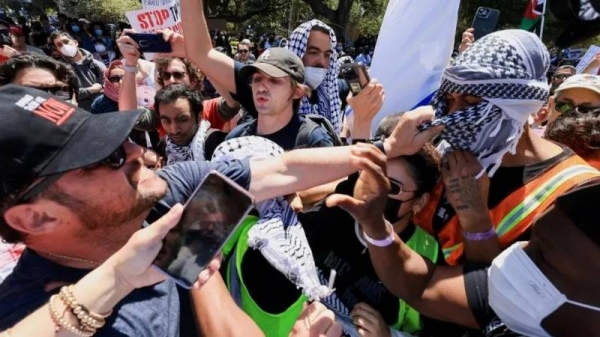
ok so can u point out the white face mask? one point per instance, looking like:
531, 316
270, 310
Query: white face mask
521, 295
69, 50
313, 77
100, 48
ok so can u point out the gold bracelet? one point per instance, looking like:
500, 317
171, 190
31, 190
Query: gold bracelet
61, 322
84, 316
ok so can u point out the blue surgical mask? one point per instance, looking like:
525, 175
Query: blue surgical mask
98, 32
75, 29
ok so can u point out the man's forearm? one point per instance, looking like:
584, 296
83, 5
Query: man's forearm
299, 170
198, 46
127, 93
217, 313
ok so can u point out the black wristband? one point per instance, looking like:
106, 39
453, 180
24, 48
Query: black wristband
379, 144
360, 140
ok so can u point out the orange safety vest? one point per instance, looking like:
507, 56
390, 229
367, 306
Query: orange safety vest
514, 215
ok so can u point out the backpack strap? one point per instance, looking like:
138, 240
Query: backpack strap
311, 122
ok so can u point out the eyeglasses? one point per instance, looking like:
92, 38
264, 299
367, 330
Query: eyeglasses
177, 75
243, 51
397, 189
568, 108
63, 92
114, 161
562, 76
115, 79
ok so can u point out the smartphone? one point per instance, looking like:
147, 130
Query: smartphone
485, 21
210, 217
151, 42
355, 75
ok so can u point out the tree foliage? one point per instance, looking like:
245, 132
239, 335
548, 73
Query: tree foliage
98, 10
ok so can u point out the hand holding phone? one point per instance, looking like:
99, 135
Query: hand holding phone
356, 76
211, 216
151, 42
485, 21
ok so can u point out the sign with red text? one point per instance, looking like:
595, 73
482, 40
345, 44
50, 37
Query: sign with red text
152, 19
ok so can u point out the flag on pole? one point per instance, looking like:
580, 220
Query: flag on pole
533, 15
415, 44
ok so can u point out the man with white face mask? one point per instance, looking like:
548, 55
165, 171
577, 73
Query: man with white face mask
89, 71
536, 288
313, 42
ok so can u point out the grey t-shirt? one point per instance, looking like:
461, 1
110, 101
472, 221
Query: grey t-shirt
150, 311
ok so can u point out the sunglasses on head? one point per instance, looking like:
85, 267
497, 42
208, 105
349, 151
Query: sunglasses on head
115, 160
115, 78
63, 92
568, 108
177, 75
562, 76
396, 189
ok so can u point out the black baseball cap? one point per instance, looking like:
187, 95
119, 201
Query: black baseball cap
41, 135
277, 62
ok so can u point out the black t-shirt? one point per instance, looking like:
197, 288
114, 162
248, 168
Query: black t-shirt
502, 184
476, 285
285, 137
332, 236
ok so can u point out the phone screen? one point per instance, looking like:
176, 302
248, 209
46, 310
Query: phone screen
210, 217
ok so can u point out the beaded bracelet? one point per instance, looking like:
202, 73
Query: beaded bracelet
61, 322
84, 316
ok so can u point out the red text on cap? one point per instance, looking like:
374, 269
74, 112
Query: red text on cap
51, 109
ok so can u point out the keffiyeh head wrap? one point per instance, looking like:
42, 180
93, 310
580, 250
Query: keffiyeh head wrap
193, 151
111, 90
507, 69
330, 105
278, 234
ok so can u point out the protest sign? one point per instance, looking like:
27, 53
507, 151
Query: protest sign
587, 58
152, 19
146, 4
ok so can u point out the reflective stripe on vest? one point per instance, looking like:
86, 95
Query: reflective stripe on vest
272, 325
530, 204
515, 213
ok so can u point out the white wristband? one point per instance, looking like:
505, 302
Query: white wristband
130, 69
388, 241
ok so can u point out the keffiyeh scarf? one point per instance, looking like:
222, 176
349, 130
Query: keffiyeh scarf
193, 151
278, 234
330, 105
507, 69
111, 90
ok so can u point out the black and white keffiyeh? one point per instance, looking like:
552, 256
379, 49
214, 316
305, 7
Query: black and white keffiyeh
507, 69
330, 105
278, 234
193, 151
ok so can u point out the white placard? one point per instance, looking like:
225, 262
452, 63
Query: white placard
587, 58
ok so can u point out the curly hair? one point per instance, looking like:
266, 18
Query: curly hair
580, 133
62, 72
196, 77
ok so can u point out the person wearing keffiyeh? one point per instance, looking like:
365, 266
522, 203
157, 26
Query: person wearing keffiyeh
484, 102
109, 100
314, 42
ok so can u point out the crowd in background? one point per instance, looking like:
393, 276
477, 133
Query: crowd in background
472, 215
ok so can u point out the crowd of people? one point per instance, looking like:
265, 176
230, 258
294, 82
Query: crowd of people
469, 216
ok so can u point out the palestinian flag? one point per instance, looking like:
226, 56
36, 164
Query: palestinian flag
533, 15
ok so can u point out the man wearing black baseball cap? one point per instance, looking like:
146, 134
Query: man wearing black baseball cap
74, 191
277, 80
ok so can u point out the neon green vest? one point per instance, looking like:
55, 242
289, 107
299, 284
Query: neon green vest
272, 325
421, 242
276, 325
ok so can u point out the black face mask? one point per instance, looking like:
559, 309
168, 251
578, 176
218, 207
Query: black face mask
392, 206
